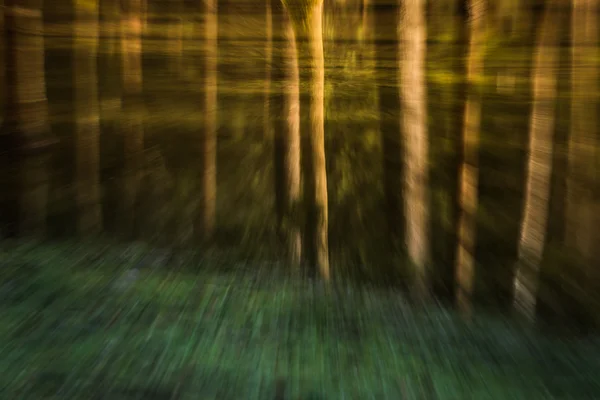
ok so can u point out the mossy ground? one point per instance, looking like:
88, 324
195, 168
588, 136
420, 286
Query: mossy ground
94, 321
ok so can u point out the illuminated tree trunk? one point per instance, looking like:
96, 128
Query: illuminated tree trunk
365, 18
133, 124
26, 128
87, 152
206, 224
581, 220
315, 181
539, 165
287, 135
267, 128
469, 170
413, 102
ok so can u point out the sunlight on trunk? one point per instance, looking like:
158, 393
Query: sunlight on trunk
413, 105
539, 166
267, 126
317, 141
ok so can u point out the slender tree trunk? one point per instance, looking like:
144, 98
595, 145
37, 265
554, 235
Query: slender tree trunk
267, 127
209, 140
581, 220
87, 113
365, 17
26, 129
315, 189
539, 165
469, 170
133, 128
307, 16
413, 101
287, 135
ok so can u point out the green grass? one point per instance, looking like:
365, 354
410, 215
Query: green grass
75, 325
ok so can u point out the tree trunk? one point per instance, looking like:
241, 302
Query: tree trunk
315, 182
581, 220
267, 127
287, 135
413, 102
539, 166
206, 224
364, 18
26, 130
87, 113
469, 170
307, 17
133, 128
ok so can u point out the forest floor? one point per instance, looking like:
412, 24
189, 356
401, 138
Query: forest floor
93, 321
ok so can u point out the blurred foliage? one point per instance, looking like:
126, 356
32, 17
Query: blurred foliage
129, 321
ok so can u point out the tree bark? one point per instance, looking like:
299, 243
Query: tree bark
539, 166
87, 111
315, 188
413, 102
307, 18
469, 170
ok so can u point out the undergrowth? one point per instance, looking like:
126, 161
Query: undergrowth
97, 321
